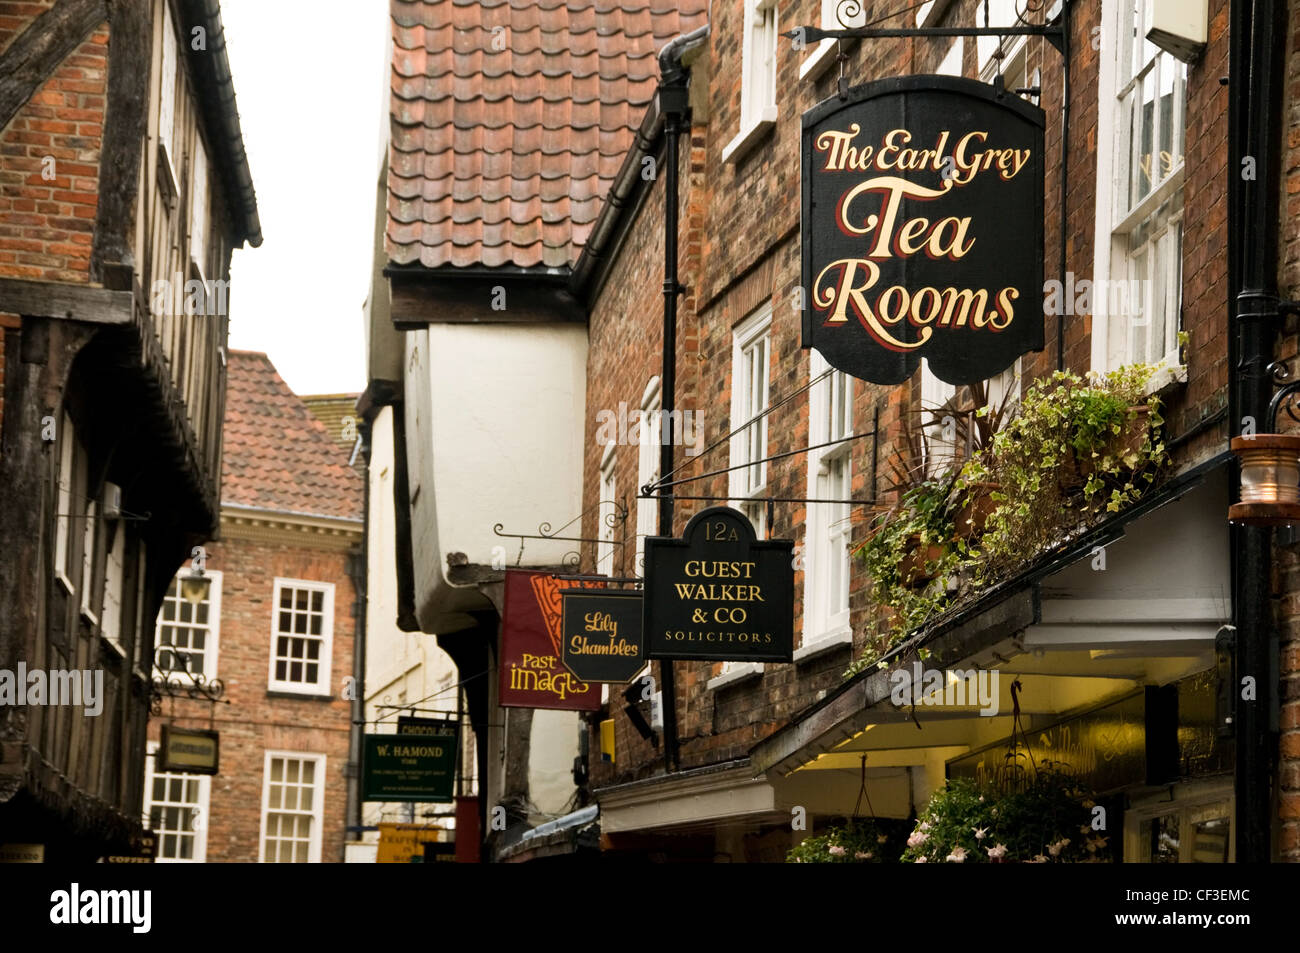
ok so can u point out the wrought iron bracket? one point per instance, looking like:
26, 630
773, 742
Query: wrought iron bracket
544, 531
171, 682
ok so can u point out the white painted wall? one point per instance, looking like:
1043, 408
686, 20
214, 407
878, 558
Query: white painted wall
401, 667
495, 416
553, 746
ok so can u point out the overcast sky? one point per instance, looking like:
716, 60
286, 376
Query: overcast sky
310, 78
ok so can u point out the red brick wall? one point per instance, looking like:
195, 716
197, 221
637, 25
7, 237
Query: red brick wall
740, 248
255, 721
47, 225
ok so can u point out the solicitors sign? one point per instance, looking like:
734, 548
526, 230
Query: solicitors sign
923, 229
719, 593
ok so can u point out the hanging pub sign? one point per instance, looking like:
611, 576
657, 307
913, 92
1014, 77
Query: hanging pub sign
602, 634
408, 768
719, 593
187, 750
531, 674
923, 229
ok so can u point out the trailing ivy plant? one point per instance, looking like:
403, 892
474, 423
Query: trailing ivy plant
1072, 450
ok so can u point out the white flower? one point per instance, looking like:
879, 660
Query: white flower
1038, 859
958, 855
864, 854
917, 838
921, 859
924, 825
881, 838
997, 853
835, 850
1055, 849
980, 832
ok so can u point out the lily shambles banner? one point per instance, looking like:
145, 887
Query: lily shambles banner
718, 593
602, 634
531, 673
923, 229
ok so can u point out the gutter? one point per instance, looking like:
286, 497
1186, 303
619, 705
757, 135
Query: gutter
216, 90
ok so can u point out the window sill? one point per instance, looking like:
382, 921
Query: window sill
310, 695
1165, 378
831, 642
749, 137
743, 672
815, 63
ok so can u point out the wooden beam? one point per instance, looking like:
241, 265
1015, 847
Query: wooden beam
36, 53
52, 299
125, 126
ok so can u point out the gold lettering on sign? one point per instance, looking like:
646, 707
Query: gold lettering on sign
848, 286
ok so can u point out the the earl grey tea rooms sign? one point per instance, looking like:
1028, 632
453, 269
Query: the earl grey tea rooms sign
719, 593
923, 229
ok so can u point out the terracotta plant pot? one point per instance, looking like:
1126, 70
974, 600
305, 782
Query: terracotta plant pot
913, 569
976, 510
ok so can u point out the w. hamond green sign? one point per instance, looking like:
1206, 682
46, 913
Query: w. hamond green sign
408, 768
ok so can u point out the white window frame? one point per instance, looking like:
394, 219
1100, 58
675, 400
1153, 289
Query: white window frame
607, 510
940, 454
114, 589
318, 801
828, 526
951, 63
817, 58
322, 684
167, 90
649, 435
1187, 799
1001, 13
200, 826
212, 643
63, 503
746, 405
1114, 335
89, 543
759, 65
198, 218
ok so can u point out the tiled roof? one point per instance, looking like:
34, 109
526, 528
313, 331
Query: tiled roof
510, 119
277, 455
332, 410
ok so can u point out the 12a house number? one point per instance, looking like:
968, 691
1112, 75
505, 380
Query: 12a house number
719, 531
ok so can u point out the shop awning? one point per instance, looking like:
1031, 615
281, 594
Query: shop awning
1074, 635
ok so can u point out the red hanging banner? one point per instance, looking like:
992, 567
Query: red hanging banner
531, 673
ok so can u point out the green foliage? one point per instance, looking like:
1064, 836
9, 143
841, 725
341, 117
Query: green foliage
1071, 451
1047, 820
860, 841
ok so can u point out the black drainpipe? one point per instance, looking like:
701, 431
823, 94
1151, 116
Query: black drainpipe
1257, 35
673, 104
1065, 166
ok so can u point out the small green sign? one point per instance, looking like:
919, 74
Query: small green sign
408, 768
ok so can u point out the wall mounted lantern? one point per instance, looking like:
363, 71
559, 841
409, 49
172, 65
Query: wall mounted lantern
1270, 471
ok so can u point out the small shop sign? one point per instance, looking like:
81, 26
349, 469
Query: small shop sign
719, 593
532, 674
602, 634
188, 750
408, 768
922, 229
